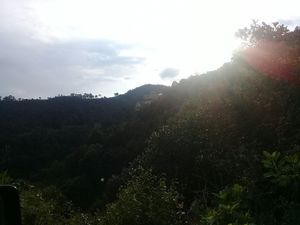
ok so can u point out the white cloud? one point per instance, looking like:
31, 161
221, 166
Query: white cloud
169, 73
31, 68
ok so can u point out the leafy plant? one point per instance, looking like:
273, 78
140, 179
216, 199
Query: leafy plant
147, 200
282, 170
230, 208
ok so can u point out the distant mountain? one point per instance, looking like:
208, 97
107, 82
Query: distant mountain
72, 110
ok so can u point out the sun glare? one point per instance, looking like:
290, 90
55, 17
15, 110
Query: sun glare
193, 35
189, 36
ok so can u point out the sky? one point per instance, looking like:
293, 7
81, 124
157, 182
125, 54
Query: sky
52, 47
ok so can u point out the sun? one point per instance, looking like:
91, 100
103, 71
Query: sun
189, 36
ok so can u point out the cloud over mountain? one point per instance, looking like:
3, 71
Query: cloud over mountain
169, 73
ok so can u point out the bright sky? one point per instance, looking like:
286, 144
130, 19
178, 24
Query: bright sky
52, 47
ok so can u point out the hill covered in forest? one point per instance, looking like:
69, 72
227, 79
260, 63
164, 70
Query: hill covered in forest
216, 148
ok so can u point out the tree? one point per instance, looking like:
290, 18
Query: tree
258, 32
272, 49
9, 98
146, 200
231, 208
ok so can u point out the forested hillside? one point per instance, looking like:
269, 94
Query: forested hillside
218, 148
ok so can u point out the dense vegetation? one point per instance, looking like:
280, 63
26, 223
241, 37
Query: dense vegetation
218, 148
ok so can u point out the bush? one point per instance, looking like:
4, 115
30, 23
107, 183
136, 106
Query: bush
146, 200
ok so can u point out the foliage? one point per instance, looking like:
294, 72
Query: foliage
280, 195
282, 171
46, 206
74, 141
230, 209
4, 178
257, 32
273, 50
274, 199
146, 200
